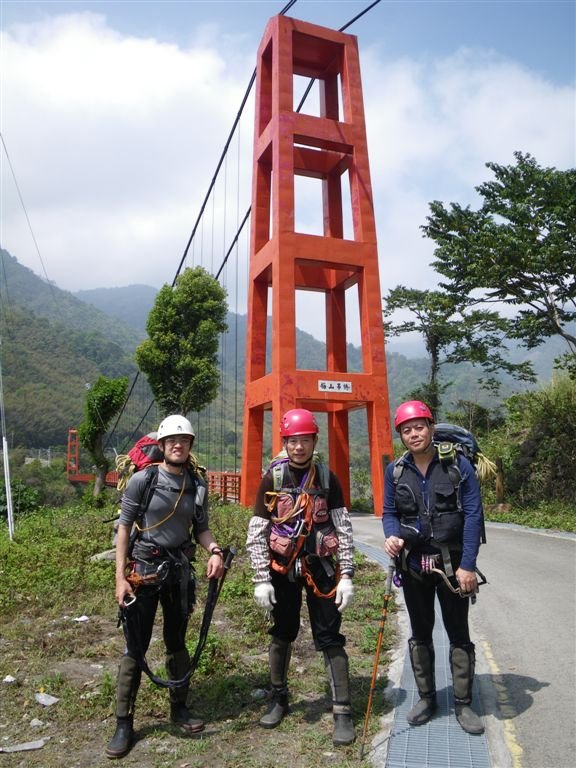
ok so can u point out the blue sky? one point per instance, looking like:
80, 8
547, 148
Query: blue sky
540, 33
115, 113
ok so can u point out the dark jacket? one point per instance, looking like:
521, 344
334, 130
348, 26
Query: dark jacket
426, 511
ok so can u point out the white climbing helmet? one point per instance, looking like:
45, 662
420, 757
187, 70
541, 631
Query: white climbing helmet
173, 426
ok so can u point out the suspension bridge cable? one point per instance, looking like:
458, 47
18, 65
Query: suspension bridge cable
298, 109
26, 216
221, 161
341, 29
222, 156
200, 216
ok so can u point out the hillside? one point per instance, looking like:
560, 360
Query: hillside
52, 346
54, 342
20, 286
130, 304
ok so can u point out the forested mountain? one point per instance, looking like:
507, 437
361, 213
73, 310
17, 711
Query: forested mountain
55, 342
131, 304
19, 286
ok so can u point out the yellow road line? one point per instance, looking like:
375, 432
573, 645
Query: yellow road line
505, 706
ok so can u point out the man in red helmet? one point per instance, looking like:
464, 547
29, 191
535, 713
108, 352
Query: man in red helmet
433, 526
300, 537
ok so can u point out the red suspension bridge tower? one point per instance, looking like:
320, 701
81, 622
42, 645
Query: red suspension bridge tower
287, 144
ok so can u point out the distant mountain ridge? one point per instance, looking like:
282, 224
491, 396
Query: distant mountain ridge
130, 304
53, 345
23, 287
55, 342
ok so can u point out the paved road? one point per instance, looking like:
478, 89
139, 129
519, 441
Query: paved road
525, 621
524, 626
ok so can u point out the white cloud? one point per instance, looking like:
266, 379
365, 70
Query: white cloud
114, 140
432, 127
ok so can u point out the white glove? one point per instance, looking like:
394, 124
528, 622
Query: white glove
344, 593
264, 595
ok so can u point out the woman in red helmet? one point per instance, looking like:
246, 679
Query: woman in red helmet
300, 538
433, 525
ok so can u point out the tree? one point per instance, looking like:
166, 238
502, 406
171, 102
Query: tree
179, 358
104, 399
518, 248
453, 332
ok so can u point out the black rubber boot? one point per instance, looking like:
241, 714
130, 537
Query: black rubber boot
177, 665
279, 655
422, 658
277, 709
462, 664
336, 663
129, 676
121, 743
181, 716
344, 732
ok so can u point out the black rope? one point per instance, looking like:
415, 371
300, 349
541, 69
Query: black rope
221, 160
128, 616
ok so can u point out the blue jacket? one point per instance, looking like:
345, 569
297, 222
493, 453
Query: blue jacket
470, 501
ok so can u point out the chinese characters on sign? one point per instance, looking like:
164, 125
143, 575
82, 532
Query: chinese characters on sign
335, 386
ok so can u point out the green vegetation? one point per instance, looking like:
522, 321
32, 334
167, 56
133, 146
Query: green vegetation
180, 356
453, 332
538, 456
518, 249
103, 402
49, 582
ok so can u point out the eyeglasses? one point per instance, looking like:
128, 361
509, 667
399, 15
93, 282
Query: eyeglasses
183, 441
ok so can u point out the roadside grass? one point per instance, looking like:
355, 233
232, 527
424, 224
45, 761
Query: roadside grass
59, 635
551, 515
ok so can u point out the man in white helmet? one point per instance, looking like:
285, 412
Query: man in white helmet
167, 508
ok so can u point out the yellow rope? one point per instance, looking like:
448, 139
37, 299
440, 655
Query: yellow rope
126, 468
300, 503
168, 516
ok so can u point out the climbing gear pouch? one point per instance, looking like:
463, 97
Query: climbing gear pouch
326, 542
406, 502
447, 519
282, 545
284, 506
447, 527
320, 511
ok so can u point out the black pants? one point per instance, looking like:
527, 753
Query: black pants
175, 619
325, 618
419, 594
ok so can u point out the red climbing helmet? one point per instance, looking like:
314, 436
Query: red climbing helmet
298, 421
411, 409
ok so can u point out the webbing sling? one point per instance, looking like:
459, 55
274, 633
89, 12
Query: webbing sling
128, 616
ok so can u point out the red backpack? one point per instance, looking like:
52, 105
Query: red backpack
145, 451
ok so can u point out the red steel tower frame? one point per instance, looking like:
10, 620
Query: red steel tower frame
287, 144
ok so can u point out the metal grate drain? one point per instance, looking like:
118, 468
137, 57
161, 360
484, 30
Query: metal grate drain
441, 743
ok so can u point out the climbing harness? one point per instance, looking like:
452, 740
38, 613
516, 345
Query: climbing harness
429, 563
287, 541
129, 618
